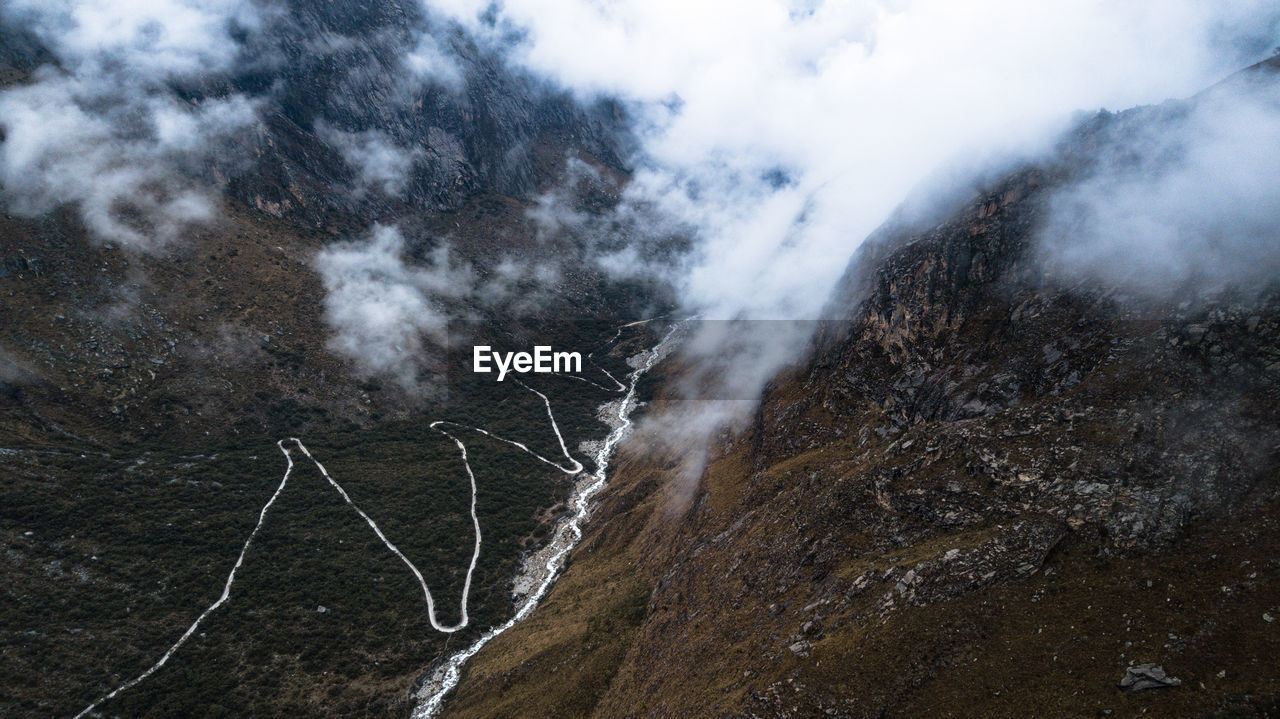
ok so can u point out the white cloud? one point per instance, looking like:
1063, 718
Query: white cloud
1193, 203
777, 135
377, 159
65, 145
151, 38
383, 312
428, 61
102, 130
851, 103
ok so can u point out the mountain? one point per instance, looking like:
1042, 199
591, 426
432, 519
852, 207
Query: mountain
992, 490
235, 307
144, 385
336, 71
1025, 465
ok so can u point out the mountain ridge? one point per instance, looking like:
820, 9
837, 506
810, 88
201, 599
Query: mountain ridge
967, 503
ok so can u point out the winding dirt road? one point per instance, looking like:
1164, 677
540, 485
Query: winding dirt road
565, 538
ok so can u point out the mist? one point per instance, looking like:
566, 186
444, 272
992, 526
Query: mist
141, 113
101, 128
777, 136
14, 371
384, 313
770, 139
1192, 206
784, 133
379, 162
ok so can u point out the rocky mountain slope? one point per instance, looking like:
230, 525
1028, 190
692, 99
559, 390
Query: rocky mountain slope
142, 389
989, 493
334, 73
176, 340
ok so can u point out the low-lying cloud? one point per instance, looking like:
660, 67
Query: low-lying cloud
431, 60
1192, 204
102, 128
379, 162
135, 179
14, 371
385, 314
145, 110
775, 136
783, 133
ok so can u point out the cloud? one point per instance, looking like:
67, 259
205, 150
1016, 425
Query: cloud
378, 160
431, 60
778, 135
1189, 201
773, 136
14, 371
102, 129
137, 120
149, 39
385, 313
130, 168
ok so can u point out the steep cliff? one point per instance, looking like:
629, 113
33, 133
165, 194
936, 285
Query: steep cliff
467, 123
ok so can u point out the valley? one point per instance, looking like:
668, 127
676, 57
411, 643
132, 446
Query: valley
634, 360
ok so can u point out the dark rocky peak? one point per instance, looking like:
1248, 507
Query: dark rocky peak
1132, 140
377, 110
366, 112
913, 281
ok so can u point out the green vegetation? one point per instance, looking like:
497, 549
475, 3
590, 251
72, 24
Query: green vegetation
110, 558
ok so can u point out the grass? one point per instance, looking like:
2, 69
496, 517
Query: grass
122, 555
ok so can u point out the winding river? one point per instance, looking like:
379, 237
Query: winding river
542, 573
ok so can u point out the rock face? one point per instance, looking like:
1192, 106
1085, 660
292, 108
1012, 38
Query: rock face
987, 494
223, 326
372, 111
334, 76
333, 73
1147, 676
